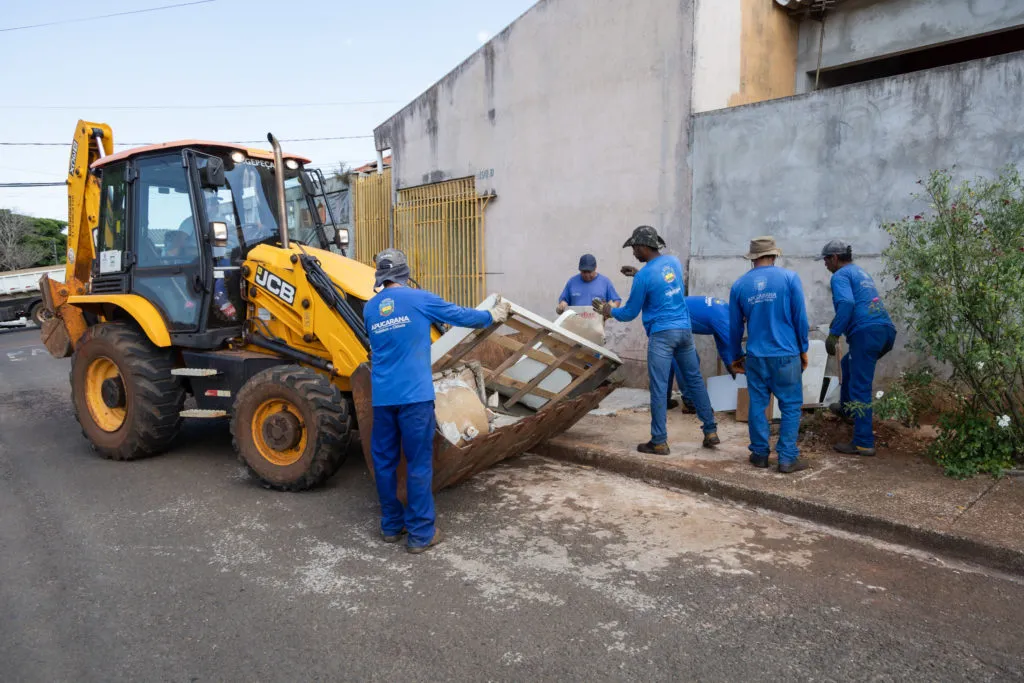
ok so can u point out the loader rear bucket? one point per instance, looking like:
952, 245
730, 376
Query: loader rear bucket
543, 378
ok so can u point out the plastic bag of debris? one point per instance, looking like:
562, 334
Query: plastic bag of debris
459, 404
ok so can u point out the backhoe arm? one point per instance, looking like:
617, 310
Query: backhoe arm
60, 331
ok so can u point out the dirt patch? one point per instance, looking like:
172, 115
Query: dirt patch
818, 431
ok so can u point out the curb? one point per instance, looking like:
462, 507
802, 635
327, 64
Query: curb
960, 547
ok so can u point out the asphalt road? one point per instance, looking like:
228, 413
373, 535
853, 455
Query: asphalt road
179, 568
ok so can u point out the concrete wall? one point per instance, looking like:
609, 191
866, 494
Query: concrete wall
862, 30
576, 115
744, 51
839, 163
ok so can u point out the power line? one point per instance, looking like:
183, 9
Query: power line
106, 16
230, 142
254, 105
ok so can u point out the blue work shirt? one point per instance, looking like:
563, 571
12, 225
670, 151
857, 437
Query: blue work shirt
398, 323
770, 300
657, 291
709, 315
580, 293
856, 301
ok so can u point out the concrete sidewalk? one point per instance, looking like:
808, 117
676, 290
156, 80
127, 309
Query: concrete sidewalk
897, 496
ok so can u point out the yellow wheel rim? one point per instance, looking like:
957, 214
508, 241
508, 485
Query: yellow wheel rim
106, 418
273, 410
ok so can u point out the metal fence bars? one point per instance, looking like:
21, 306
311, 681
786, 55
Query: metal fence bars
440, 227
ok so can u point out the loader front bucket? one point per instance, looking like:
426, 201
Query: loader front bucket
539, 379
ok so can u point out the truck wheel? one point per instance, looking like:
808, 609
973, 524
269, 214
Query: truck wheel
291, 428
124, 395
35, 314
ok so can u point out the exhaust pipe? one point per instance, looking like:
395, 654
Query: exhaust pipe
282, 213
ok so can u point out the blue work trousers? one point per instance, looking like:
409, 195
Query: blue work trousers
675, 375
662, 349
408, 428
867, 345
781, 376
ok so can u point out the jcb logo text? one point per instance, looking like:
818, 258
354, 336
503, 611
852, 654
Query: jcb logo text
275, 285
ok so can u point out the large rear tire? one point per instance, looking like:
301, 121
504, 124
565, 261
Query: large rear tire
124, 395
291, 428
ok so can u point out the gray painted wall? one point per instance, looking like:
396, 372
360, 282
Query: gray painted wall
860, 30
576, 115
839, 163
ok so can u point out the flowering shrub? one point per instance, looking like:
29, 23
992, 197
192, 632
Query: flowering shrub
959, 287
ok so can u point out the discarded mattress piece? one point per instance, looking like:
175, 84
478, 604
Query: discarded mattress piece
583, 321
460, 412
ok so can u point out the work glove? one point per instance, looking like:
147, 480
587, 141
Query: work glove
628, 271
500, 311
830, 344
560, 309
603, 307
739, 366
804, 361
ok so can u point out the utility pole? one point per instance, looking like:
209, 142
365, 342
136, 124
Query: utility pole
54, 241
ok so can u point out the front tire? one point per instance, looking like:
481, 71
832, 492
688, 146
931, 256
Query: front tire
124, 395
291, 428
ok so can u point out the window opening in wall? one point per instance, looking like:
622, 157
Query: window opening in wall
978, 47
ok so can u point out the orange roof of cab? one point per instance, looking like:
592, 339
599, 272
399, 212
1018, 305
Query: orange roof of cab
176, 144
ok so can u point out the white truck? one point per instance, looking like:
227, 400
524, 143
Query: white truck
20, 298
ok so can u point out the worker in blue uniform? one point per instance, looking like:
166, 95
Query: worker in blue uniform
398, 321
708, 316
860, 317
657, 291
769, 302
583, 288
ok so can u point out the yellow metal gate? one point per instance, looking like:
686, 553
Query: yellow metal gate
440, 227
371, 200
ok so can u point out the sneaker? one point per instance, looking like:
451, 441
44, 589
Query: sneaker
672, 404
653, 448
689, 409
791, 467
711, 440
759, 461
850, 449
417, 549
392, 538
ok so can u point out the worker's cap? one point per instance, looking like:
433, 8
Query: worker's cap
588, 263
836, 248
645, 236
761, 247
392, 266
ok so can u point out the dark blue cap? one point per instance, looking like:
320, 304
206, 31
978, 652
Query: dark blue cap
588, 263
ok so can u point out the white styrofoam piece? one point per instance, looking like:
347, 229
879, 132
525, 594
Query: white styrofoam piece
812, 377
722, 391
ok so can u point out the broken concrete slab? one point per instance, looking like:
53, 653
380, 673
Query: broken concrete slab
624, 399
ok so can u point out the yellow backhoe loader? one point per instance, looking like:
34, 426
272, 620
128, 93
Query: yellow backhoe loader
213, 270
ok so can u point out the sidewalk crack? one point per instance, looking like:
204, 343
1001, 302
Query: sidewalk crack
981, 495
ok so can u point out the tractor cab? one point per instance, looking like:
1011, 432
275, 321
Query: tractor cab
177, 220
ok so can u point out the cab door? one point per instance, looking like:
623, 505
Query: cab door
167, 244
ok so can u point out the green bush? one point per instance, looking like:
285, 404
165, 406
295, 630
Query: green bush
959, 286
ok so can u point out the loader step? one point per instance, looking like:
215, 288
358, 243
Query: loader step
195, 372
206, 414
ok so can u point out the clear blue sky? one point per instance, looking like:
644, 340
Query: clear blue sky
221, 52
